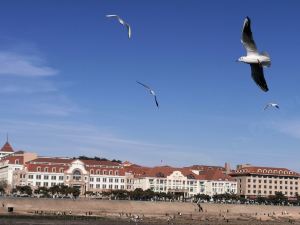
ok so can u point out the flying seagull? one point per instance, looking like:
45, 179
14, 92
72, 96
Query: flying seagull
121, 21
271, 105
256, 60
151, 92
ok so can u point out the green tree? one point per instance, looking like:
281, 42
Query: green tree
3, 186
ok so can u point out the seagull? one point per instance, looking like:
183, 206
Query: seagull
121, 21
151, 92
271, 105
256, 60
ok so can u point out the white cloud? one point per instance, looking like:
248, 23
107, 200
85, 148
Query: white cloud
23, 65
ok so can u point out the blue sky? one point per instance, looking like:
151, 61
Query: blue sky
68, 81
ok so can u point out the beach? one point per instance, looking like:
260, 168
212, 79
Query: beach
85, 211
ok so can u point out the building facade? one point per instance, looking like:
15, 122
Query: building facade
253, 181
185, 181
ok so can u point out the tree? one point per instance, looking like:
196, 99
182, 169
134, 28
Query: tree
3, 186
23, 190
202, 197
278, 199
42, 192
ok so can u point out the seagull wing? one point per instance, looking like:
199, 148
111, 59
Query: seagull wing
144, 85
156, 102
257, 74
129, 29
121, 21
247, 38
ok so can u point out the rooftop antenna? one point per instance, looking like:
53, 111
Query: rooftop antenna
6, 137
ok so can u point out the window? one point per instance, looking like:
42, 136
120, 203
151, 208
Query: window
38, 184
97, 185
104, 179
91, 186
98, 180
17, 161
110, 172
270, 181
30, 176
61, 177
97, 171
270, 192
38, 177
45, 184
116, 180
61, 170
111, 180
53, 170
46, 177
38, 169
91, 179
110, 186
46, 169
249, 180
91, 171
104, 186
117, 173
122, 180
52, 184
116, 187
53, 177
76, 175
104, 172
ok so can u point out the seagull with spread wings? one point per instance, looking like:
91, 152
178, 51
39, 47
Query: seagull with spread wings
256, 60
151, 92
274, 105
121, 21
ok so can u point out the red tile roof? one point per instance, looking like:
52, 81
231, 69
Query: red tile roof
51, 160
164, 171
264, 171
14, 159
7, 148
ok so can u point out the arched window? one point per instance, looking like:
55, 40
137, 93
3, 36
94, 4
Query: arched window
91, 171
259, 170
38, 169
264, 171
46, 169
290, 172
61, 170
17, 161
280, 171
53, 170
274, 171
270, 171
104, 172
285, 172
76, 175
110, 172
117, 173
97, 171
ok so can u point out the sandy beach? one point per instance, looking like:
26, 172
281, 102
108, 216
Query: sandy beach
85, 211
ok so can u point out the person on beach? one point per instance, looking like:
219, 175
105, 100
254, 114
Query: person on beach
199, 206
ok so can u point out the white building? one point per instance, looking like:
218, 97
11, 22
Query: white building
185, 181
